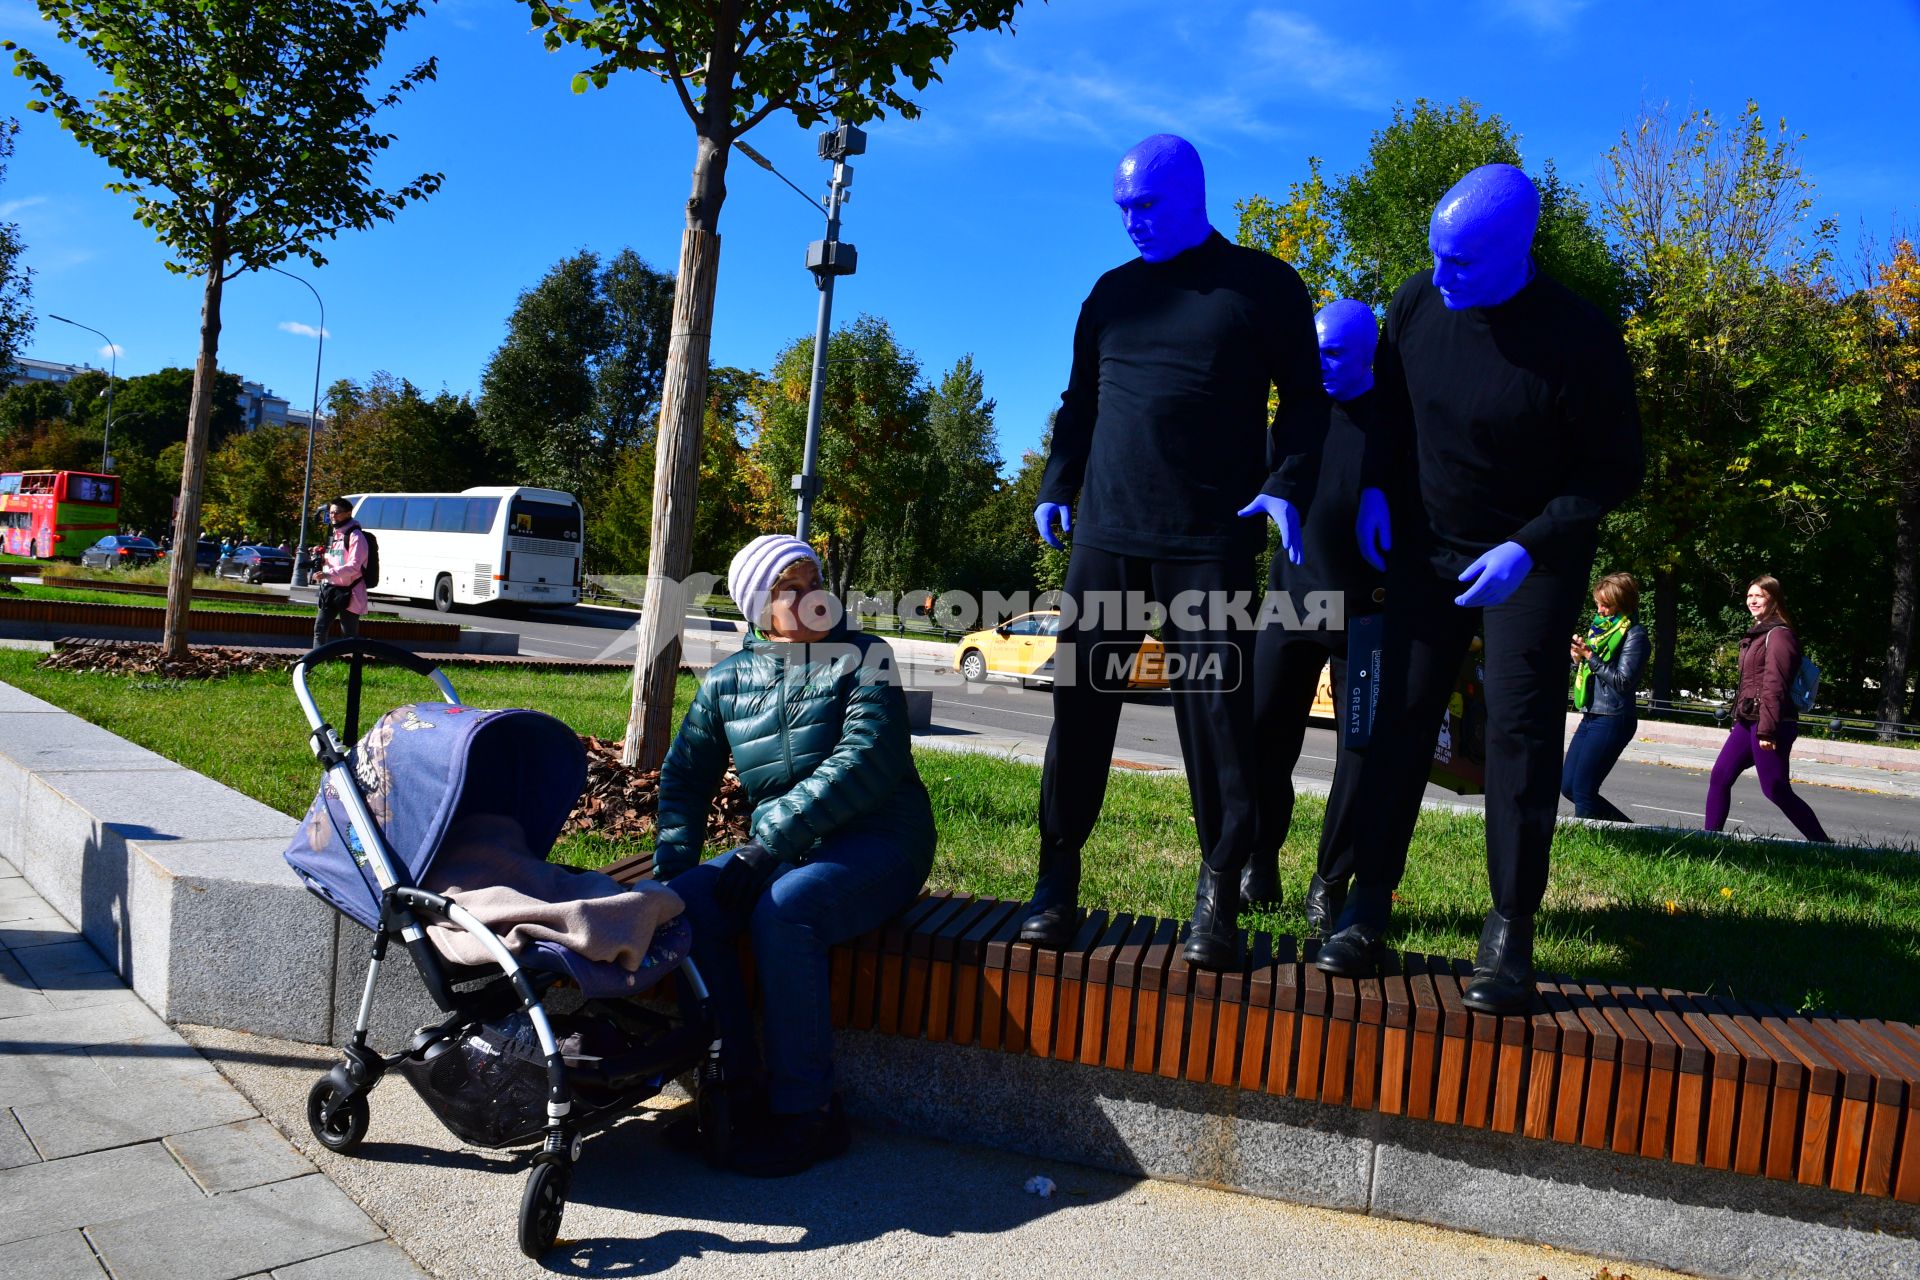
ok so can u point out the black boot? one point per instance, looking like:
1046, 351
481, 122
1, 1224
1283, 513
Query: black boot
1053, 915
1324, 903
792, 1144
1358, 944
1213, 940
1260, 882
1503, 971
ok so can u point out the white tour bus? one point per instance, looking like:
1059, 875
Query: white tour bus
502, 543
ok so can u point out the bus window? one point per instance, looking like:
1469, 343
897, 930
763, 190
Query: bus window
10, 483
449, 514
419, 513
92, 489
480, 513
527, 518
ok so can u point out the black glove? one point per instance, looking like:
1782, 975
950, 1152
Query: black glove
745, 877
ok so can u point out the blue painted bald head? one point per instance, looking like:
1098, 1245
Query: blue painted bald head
1162, 194
1481, 237
1348, 335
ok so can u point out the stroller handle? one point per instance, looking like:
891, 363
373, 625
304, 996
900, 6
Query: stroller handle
357, 649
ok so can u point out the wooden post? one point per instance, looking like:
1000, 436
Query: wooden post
676, 479
193, 471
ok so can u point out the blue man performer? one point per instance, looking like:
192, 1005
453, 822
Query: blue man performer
1513, 401
1160, 473
1287, 662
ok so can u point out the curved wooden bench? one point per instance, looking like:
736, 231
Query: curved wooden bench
1728, 1084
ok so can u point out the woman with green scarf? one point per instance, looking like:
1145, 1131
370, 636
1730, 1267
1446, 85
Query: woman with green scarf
1608, 661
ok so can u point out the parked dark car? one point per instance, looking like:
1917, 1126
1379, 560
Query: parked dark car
256, 564
117, 551
206, 556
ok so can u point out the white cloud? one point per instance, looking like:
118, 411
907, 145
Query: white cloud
1553, 17
1292, 49
1207, 76
304, 330
113, 350
11, 207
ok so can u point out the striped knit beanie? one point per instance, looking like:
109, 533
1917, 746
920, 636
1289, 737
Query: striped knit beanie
751, 576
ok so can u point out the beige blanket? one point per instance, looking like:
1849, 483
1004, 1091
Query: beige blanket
487, 868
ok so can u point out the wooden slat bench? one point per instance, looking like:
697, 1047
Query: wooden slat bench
1727, 1084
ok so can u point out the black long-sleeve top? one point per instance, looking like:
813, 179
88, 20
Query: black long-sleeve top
1331, 496
1521, 417
1162, 433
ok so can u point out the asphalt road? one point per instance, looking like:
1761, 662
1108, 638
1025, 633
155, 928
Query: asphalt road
1005, 715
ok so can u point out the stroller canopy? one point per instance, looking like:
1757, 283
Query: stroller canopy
420, 768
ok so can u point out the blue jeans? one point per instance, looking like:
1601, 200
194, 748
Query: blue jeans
853, 882
1597, 744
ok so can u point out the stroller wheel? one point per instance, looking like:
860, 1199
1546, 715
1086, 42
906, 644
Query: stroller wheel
542, 1205
338, 1119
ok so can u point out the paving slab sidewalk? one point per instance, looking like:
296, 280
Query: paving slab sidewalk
124, 1152
895, 1205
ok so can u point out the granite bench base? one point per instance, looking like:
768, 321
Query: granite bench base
178, 881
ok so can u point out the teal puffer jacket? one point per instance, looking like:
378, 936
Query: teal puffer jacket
820, 738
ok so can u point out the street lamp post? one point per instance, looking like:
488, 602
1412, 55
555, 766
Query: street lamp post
113, 366
827, 259
313, 421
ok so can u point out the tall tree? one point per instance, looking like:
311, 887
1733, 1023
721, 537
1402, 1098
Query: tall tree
1363, 234
1300, 230
577, 380
16, 278
733, 63
388, 435
154, 409
253, 483
873, 439
1889, 314
1712, 226
243, 132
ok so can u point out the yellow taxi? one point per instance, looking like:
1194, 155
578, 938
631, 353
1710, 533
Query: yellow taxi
1023, 645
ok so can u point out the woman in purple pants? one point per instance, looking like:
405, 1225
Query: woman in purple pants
1765, 719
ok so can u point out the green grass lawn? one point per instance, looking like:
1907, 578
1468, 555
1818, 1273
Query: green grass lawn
1809, 927
267, 603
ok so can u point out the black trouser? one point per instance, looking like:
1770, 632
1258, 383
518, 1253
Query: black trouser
1212, 709
330, 604
1525, 661
1286, 674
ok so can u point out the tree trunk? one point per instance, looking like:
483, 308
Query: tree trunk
1666, 633
1906, 549
186, 521
676, 466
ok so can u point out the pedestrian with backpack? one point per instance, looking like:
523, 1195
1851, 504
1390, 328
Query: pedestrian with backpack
341, 585
1777, 682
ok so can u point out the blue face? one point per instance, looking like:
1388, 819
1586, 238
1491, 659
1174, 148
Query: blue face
1348, 335
1162, 193
1481, 237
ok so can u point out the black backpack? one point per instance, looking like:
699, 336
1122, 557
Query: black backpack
370, 572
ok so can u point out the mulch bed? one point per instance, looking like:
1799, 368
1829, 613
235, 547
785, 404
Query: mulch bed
145, 658
623, 803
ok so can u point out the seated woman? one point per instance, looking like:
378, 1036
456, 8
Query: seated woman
842, 835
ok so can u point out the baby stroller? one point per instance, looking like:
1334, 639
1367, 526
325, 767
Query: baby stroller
500, 1069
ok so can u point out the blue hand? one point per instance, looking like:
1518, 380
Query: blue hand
1494, 576
1374, 528
1043, 518
1286, 516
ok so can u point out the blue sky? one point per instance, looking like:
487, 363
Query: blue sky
980, 226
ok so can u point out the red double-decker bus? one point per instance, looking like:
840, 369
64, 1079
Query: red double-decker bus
56, 513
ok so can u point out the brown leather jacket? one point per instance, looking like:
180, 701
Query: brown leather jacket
1769, 653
